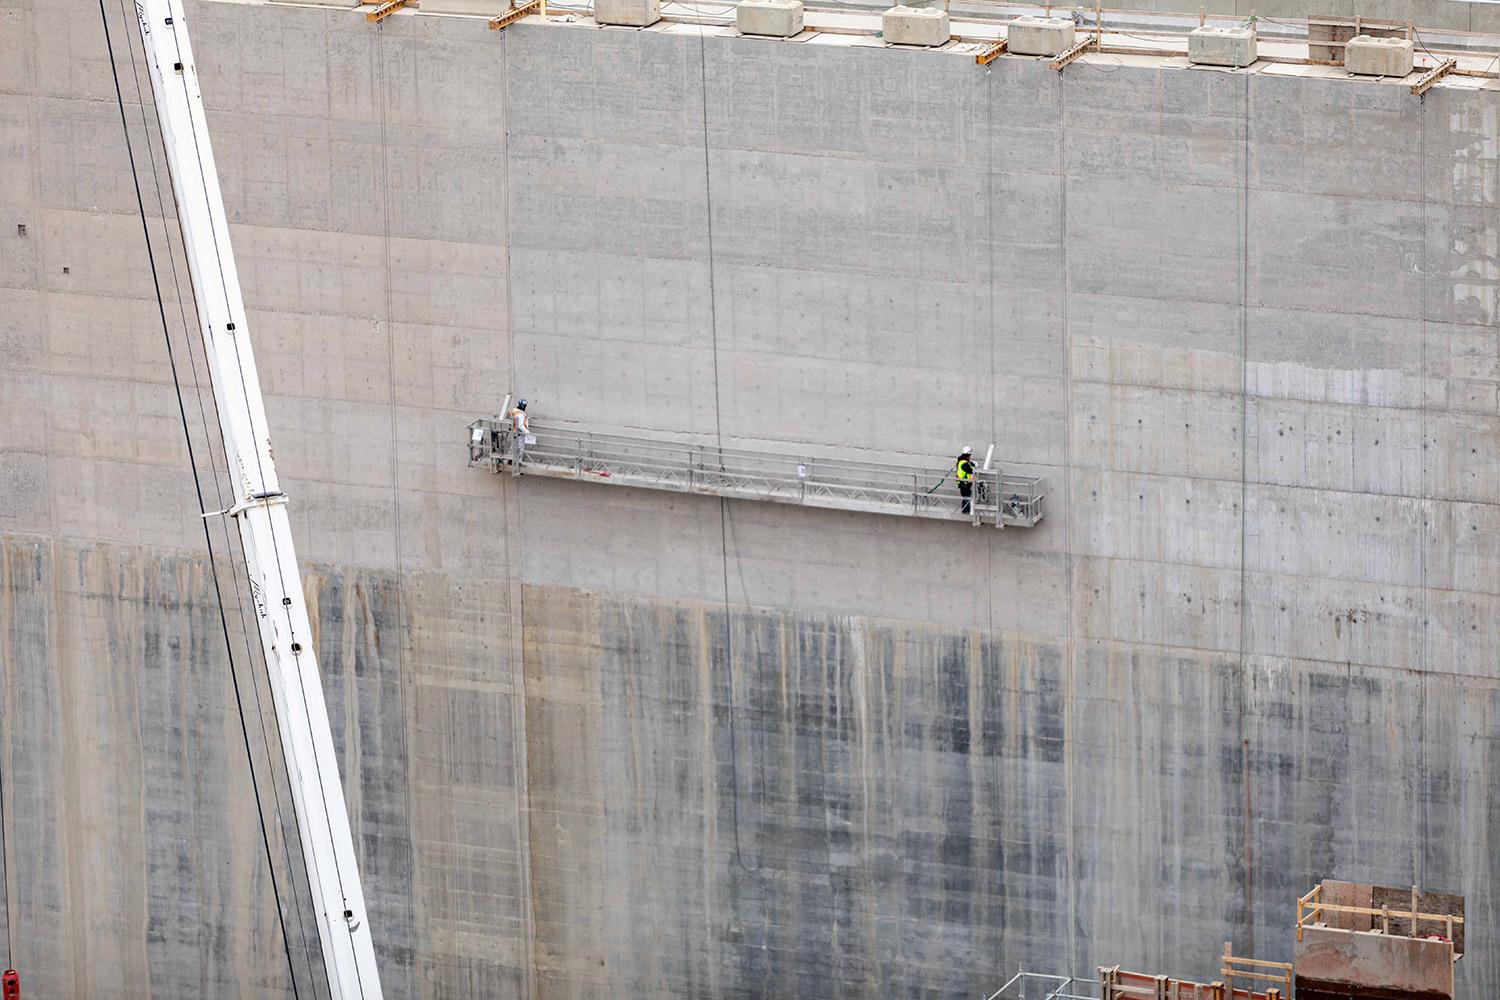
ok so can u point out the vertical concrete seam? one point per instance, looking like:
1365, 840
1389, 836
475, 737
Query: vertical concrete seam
351, 712
989, 230
1419, 855
34, 137
510, 493
1070, 643
1244, 718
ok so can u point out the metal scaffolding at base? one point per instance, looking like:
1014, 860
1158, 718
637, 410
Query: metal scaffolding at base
1354, 939
1040, 986
999, 499
1117, 984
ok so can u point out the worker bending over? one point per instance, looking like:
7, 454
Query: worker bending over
963, 471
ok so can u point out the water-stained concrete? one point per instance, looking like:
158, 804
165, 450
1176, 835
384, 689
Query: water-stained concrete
606, 742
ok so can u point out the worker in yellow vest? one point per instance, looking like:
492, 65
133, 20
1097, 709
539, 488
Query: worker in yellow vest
963, 471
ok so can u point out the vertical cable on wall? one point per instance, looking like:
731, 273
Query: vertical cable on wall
197, 482
515, 596
183, 297
713, 313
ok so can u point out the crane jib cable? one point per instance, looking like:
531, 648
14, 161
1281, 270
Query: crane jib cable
319, 817
197, 484
198, 380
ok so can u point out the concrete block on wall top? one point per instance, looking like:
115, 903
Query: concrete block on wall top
1039, 36
1221, 46
1368, 56
631, 13
781, 18
915, 26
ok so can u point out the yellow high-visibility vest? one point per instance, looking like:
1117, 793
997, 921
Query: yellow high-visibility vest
964, 469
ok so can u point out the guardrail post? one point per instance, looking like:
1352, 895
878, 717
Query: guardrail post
689, 454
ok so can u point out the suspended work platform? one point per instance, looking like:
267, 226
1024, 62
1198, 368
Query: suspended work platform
999, 499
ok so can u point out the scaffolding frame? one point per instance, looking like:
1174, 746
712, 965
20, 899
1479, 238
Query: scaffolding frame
999, 499
1312, 910
1043, 986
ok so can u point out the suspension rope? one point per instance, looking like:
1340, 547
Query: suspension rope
734, 754
197, 486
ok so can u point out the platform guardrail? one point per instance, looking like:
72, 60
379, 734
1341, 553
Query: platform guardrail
999, 499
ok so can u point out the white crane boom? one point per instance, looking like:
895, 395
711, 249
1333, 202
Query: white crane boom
260, 511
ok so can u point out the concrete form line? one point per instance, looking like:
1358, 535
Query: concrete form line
408, 720
515, 599
1419, 841
1298, 487
1226, 656
1070, 642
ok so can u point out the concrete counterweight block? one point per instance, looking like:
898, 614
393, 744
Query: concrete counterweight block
1221, 46
1378, 56
780, 18
631, 13
1039, 36
915, 26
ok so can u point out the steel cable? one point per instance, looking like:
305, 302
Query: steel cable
197, 481
734, 764
198, 382
281, 574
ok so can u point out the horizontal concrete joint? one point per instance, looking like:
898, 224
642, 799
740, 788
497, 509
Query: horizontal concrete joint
1221, 46
1367, 56
1040, 36
778, 18
630, 13
914, 26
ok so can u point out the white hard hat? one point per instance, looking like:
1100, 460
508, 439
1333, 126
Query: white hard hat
967, 450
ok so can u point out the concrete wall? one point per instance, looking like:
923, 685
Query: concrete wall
1450, 15
379, 307
1246, 325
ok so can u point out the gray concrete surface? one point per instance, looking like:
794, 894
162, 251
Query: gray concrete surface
607, 742
1448, 15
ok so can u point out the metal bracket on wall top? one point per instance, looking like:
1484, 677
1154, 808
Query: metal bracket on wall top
1063, 58
514, 14
991, 53
1429, 79
386, 9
